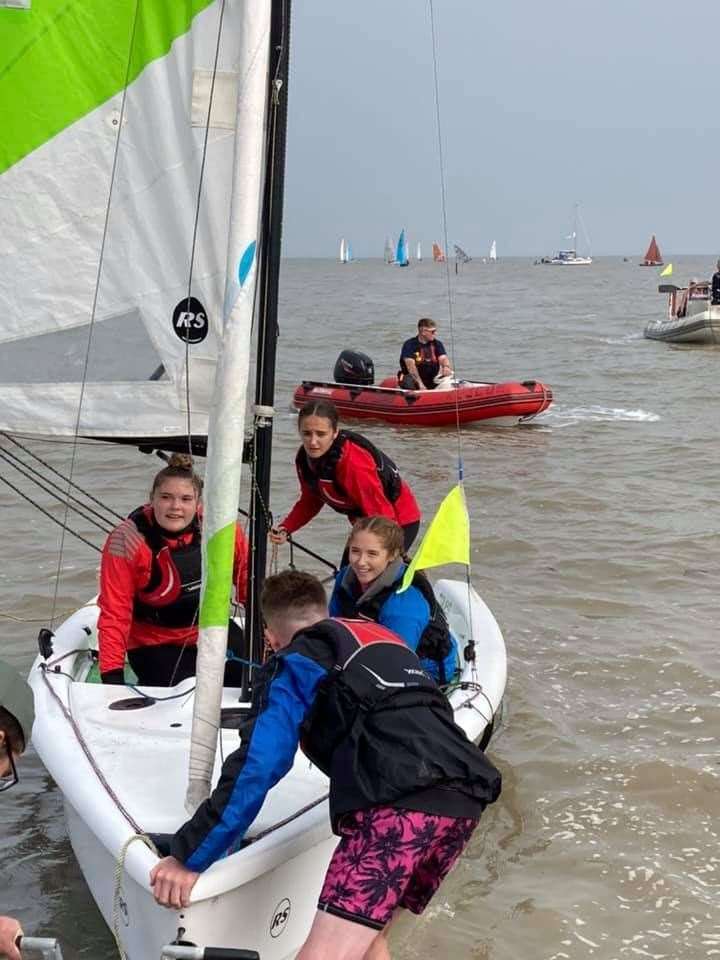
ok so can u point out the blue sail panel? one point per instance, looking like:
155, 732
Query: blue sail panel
401, 254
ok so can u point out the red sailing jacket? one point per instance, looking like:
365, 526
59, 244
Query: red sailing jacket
125, 570
359, 493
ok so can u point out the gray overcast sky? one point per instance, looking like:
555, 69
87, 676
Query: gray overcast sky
611, 103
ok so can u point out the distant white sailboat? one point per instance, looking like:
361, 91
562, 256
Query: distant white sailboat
418, 251
570, 258
343, 257
389, 255
493, 251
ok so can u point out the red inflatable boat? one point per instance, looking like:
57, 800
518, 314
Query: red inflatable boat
499, 403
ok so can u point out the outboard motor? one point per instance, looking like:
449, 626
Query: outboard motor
355, 368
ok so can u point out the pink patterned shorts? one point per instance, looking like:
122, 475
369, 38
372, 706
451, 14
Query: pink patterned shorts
388, 858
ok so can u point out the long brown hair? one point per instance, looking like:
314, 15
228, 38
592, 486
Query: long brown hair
319, 408
389, 533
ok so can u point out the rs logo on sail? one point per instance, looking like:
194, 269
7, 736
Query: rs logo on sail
190, 321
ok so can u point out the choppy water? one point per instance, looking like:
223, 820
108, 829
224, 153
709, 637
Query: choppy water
595, 543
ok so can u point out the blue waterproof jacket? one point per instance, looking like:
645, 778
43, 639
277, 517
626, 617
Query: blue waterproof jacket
406, 614
366, 714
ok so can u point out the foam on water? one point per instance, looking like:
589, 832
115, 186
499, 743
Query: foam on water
598, 414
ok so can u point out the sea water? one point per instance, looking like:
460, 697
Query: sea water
594, 542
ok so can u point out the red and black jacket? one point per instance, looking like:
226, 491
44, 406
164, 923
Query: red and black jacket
354, 478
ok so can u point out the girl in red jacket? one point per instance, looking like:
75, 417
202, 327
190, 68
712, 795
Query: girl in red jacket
150, 582
344, 470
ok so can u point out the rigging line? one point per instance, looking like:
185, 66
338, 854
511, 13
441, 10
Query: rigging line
51, 517
443, 198
196, 224
62, 476
35, 478
443, 202
96, 292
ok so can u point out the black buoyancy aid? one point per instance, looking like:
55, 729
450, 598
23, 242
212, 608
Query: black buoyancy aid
325, 471
380, 726
435, 641
172, 595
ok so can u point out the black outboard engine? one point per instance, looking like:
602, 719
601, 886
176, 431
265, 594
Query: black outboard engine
353, 367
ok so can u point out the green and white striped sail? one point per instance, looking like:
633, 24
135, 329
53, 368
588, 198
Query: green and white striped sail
114, 192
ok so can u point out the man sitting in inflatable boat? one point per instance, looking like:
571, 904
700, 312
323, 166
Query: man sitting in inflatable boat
423, 358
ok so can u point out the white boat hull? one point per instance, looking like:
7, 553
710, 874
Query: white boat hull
262, 897
701, 326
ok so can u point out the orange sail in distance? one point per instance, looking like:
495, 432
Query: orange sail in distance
438, 253
653, 257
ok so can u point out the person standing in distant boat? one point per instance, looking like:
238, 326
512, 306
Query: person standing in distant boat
716, 286
422, 358
150, 584
344, 470
17, 713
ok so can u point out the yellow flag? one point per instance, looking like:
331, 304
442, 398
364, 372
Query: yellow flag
446, 540
667, 272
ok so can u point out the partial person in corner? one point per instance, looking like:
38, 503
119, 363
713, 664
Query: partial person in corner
369, 587
716, 285
407, 787
17, 714
423, 358
150, 584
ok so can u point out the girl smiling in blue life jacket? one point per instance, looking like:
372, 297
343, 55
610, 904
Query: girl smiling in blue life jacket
368, 588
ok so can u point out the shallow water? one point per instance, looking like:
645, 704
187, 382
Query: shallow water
595, 545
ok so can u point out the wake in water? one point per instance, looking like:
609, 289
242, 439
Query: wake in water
597, 413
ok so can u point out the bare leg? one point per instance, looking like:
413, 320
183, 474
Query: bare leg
378, 949
332, 938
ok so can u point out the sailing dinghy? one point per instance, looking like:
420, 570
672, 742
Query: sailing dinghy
653, 257
126, 232
402, 256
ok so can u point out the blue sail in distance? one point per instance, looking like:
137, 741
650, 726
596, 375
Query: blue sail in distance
401, 254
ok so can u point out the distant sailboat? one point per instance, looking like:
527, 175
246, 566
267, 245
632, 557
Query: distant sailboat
570, 258
418, 252
402, 257
653, 257
348, 253
343, 251
388, 255
438, 253
493, 251
460, 254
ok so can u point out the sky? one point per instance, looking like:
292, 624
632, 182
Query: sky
609, 104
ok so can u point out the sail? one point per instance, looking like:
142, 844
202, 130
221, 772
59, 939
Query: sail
438, 253
402, 257
114, 254
388, 254
653, 257
460, 254
343, 257
348, 254
493, 251
418, 251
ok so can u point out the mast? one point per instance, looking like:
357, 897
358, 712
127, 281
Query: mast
227, 410
269, 281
